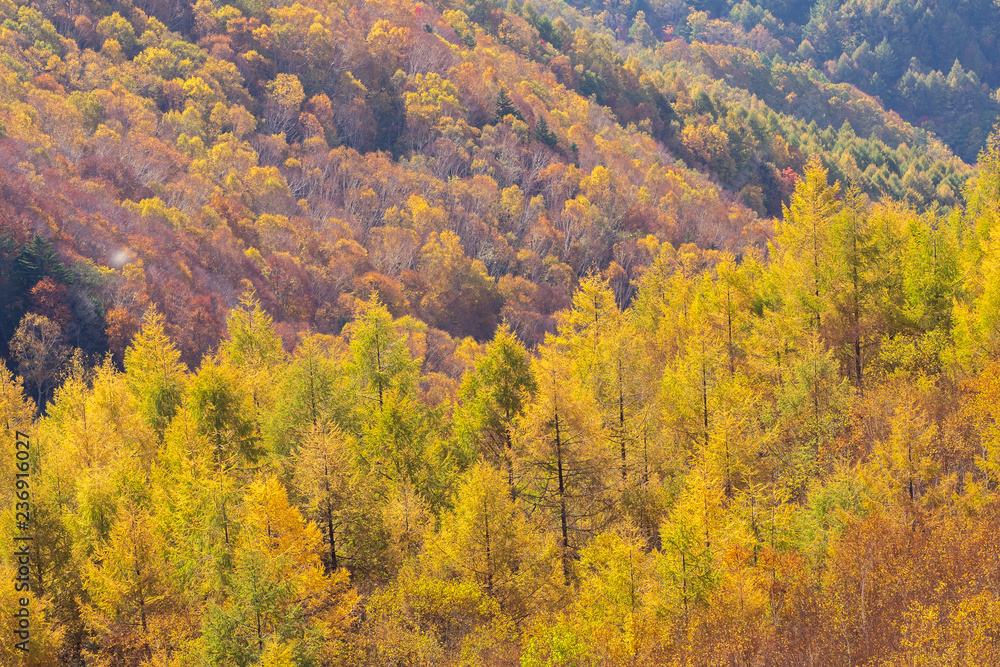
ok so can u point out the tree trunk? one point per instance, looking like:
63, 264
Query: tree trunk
729, 321
562, 500
489, 549
334, 566
704, 389
621, 420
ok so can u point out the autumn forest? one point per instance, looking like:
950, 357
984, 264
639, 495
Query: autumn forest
540, 334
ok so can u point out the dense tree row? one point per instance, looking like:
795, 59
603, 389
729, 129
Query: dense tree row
778, 458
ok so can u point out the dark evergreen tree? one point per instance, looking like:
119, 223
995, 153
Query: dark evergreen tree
544, 135
505, 107
37, 260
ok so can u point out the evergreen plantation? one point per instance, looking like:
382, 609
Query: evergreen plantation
402, 333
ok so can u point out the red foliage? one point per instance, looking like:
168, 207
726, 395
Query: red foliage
121, 328
51, 299
787, 179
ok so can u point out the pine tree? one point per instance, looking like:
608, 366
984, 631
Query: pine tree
128, 583
313, 391
543, 134
615, 607
685, 562
567, 457
640, 31
489, 540
505, 107
225, 412
494, 395
154, 373
978, 319
16, 410
381, 360
276, 596
36, 260
254, 349
326, 476
929, 261
803, 243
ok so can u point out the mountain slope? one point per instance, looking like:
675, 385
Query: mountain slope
176, 166
327, 152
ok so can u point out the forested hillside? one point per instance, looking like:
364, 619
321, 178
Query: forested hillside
467, 165
934, 62
323, 154
782, 460
401, 333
